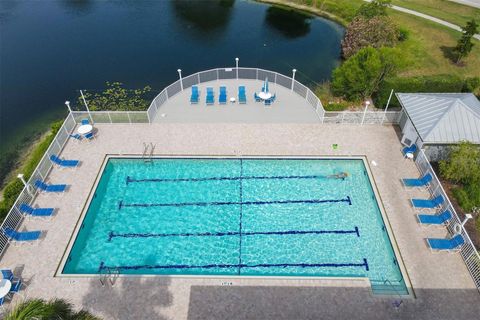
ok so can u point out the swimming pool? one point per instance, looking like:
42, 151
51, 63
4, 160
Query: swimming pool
235, 217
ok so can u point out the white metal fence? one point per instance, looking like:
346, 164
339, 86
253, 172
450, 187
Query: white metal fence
112, 116
362, 117
468, 251
14, 216
235, 73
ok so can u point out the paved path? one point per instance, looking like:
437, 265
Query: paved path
426, 16
471, 3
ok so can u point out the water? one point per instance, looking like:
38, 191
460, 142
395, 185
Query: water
258, 217
49, 49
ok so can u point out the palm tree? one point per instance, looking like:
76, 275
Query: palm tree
39, 309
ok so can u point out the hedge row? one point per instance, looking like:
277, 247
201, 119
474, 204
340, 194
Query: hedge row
433, 84
14, 187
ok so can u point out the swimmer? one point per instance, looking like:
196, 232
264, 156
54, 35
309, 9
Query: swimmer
341, 175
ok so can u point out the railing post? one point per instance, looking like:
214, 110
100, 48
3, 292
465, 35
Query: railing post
27, 186
109, 117
198, 75
86, 106
293, 77
236, 66
180, 76
386, 107
128, 116
367, 103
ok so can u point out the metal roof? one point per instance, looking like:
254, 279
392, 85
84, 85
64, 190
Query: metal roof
443, 117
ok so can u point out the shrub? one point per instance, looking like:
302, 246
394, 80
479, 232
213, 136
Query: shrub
463, 164
336, 106
362, 74
374, 32
374, 8
403, 34
468, 197
439, 83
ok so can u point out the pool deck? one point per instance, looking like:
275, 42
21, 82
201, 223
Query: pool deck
441, 283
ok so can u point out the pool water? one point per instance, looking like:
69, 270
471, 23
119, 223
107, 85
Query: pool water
235, 217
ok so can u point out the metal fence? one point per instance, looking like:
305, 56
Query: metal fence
235, 73
468, 251
14, 216
362, 117
112, 116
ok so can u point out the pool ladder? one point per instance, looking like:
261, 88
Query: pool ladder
148, 152
110, 275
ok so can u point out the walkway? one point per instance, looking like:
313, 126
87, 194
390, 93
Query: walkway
471, 3
426, 16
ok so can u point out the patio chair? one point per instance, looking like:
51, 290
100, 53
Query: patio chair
64, 163
210, 96
90, 136
410, 149
194, 96
448, 245
76, 136
434, 219
42, 186
16, 287
242, 98
36, 212
417, 183
7, 274
84, 121
256, 97
222, 98
268, 102
427, 203
21, 237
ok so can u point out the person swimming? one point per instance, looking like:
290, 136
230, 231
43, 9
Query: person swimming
340, 175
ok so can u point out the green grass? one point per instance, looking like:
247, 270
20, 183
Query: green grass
446, 10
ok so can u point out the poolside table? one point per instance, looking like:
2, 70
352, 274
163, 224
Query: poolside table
5, 286
233, 99
264, 95
84, 129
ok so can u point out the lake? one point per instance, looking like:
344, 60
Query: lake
50, 49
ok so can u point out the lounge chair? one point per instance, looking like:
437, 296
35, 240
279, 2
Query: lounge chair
64, 163
417, 183
36, 212
84, 121
21, 237
42, 186
434, 219
210, 96
256, 97
428, 203
194, 96
410, 149
222, 98
448, 245
242, 98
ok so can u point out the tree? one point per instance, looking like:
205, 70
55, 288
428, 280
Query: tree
53, 309
465, 45
376, 32
374, 8
463, 164
116, 97
361, 75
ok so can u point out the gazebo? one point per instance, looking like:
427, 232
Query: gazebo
434, 121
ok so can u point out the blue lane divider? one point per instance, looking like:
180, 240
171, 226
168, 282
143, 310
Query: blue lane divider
364, 264
133, 180
112, 234
240, 218
229, 203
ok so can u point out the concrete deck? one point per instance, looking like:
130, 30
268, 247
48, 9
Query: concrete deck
288, 106
441, 282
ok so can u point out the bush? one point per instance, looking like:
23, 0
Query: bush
373, 32
374, 8
403, 34
362, 74
439, 83
15, 186
463, 164
468, 197
336, 106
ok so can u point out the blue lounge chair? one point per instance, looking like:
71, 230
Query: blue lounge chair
90, 136
428, 203
434, 219
417, 183
256, 97
222, 98
84, 121
210, 96
50, 187
448, 245
22, 237
36, 212
410, 149
242, 98
194, 96
64, 163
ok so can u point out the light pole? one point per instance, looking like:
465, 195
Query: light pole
236, 66
20, 176
293, 77
367, 103
67, 103
180, 75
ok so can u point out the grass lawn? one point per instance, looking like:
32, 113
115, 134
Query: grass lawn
446, 10
426, 45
